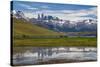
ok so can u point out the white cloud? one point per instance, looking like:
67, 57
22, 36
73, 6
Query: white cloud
92, 11
14, 12
67, 11
31, 8
28, 7
77, 15
28, 14
45, 7
72, 15
24, 5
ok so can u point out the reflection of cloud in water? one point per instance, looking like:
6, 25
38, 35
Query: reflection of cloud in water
47, 53
29, 54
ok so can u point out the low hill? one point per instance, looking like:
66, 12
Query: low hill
28, 34
21, 27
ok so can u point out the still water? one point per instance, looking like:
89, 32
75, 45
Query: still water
43, 55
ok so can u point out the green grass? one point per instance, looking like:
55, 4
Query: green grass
57, 42
26, 28
28, 34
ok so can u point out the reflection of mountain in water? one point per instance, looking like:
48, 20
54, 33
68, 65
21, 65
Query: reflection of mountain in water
45, 54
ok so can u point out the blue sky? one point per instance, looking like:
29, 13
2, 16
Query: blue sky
63, 11
24, 5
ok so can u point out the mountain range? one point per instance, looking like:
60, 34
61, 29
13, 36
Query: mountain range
57, 24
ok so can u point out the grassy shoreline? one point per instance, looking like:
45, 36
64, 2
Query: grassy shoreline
54, 42
28, 34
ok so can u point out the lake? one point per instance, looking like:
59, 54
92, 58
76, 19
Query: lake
51, 55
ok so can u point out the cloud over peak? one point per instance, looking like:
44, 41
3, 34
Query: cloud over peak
63, 11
